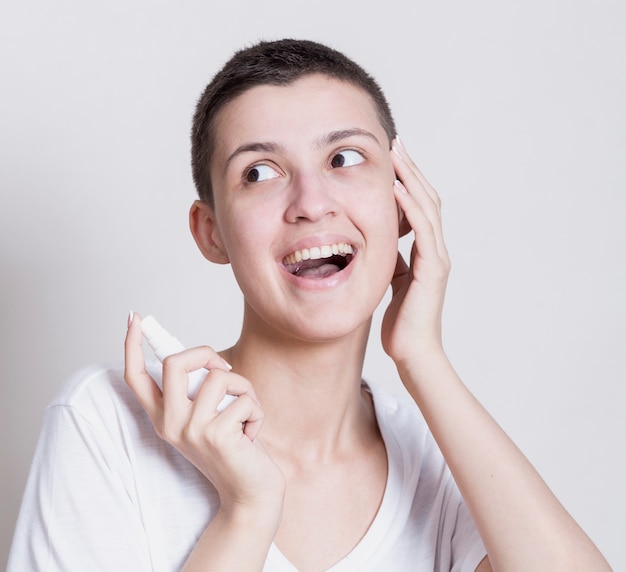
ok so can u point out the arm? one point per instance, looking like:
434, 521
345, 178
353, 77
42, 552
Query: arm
234, 540
522, 524
223, 446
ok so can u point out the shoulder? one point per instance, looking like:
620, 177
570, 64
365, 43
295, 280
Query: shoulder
93, 386
88, 381
98, 397
98, 382
408, 439
397, 413
429, 505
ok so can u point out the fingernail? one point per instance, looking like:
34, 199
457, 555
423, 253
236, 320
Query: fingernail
400, 143
401, 188
396, 149
131, 315
230, 367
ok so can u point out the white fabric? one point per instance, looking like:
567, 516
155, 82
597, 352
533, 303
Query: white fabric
105, 493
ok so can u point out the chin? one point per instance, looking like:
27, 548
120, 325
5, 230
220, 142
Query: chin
322, 327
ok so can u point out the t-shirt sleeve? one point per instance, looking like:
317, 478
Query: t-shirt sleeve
79, 510
468, 549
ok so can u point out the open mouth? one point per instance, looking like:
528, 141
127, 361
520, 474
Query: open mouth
319, 261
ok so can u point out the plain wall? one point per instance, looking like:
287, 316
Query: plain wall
514, 111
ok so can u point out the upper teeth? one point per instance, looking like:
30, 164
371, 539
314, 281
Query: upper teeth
315, 252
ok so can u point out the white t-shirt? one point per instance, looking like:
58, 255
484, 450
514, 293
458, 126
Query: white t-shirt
105, 493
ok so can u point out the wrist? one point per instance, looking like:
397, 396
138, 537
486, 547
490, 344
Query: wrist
425, 368
237, 538
263, 516
420, 356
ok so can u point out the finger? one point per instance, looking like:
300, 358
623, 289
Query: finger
418, 187
403, 153
178, 367
244, 415
415, 183
425, 235
135, 374
415, 190
216, 386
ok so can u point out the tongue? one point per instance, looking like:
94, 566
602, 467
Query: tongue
321, 271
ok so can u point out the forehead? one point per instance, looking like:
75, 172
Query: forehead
303, 109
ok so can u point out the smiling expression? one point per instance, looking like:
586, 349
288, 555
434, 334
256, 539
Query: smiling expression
304, 208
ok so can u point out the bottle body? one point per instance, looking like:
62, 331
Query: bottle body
163, 344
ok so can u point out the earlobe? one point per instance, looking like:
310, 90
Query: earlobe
206, 233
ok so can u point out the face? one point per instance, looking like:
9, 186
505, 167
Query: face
303, 206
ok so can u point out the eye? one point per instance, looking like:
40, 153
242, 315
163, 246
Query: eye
260, 173
347, 158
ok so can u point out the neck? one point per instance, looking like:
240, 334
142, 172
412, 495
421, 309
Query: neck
310, 391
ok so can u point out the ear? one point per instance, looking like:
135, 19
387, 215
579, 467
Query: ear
403, 224
206, 233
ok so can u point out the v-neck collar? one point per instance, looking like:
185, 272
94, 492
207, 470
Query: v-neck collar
391, 514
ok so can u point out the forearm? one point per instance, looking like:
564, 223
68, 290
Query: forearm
233, 541
523, 525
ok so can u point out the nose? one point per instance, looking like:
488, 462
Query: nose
311, 198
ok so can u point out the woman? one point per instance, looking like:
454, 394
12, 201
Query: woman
304, 189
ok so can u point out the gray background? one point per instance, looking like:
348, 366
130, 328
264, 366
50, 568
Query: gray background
515, 113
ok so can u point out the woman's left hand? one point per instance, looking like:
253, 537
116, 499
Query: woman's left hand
412, 322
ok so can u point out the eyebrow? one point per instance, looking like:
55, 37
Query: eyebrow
337, 136
331, 138
267, 147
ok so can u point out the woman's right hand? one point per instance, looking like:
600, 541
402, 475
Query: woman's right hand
222, 445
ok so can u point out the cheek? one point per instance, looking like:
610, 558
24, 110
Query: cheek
382, 234
246, 236
383, 210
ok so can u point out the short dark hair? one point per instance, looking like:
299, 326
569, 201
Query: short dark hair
278, 62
